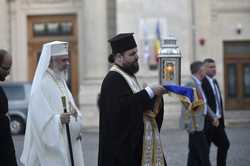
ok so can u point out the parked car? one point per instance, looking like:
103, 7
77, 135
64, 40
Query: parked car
18, 95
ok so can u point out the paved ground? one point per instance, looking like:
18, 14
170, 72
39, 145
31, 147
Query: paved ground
175, 146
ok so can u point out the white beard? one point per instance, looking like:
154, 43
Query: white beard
61, 75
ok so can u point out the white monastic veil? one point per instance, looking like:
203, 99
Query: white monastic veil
43, 65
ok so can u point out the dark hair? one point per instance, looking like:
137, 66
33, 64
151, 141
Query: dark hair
208, 60
111, 58
195, 66
3, 53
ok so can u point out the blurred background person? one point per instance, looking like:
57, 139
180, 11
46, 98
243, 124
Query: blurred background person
193, 120
215, 134
7, 150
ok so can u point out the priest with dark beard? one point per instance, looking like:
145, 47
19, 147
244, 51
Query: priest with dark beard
130, 116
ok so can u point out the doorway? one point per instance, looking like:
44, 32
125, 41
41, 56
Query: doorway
45, 28
237, 75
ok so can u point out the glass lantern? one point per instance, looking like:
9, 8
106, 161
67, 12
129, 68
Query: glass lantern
170, 62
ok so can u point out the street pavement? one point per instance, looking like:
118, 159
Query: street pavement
175, 146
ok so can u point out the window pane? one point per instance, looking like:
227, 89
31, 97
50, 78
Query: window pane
246, 80
39, 29
66, 28
237, 48
14, 92
53, 28
232, 84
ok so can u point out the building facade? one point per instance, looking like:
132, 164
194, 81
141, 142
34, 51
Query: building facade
216, 29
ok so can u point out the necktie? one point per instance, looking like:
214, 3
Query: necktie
217, 96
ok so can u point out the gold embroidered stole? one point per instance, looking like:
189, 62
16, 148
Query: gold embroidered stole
152, 154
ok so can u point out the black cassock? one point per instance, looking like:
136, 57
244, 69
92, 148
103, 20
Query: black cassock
121, 122
7, 151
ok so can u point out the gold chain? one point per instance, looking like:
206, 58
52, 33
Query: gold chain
60, 88
57, 83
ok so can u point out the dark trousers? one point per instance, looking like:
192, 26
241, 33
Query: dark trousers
198, 154
7, 151
218, 136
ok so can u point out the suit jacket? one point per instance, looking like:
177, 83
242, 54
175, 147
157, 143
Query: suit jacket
192, 121
195, 121
211, 100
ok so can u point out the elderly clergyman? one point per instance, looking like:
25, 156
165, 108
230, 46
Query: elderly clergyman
45, 142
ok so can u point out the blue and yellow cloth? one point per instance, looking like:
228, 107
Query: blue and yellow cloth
187, 95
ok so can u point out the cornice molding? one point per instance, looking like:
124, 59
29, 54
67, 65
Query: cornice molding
46, 1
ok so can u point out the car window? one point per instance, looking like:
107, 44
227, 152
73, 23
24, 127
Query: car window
15, 92
28, 89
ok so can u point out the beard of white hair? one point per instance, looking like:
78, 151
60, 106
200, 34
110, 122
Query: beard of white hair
59, 74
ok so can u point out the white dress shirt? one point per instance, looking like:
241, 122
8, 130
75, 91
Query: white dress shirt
216, 92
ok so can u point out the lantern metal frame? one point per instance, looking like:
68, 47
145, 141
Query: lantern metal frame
170, 62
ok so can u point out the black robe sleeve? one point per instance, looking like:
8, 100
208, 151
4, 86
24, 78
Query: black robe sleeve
7, 149
121, 122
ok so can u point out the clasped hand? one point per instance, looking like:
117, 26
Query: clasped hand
215, 122
158, 90
65, 117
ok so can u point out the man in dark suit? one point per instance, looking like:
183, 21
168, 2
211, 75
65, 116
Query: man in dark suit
193, 120
216, 135
7, 151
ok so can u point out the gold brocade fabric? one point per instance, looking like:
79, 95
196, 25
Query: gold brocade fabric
152, 149
152, 154
197, 105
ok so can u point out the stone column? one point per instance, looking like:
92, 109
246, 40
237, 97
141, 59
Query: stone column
4, 22
95, 53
